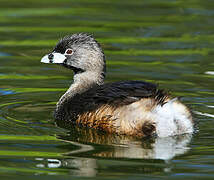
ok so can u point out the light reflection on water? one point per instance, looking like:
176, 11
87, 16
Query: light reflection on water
129, 147
121, 147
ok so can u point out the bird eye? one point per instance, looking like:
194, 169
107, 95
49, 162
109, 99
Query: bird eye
69, 51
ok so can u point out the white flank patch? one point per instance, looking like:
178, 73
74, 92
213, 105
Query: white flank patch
57, 58
172, 119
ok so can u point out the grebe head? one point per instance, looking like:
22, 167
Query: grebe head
79, 52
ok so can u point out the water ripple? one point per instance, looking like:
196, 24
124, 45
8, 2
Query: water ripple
4, 54
6, 91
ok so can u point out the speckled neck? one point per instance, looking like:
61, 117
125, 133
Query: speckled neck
82, 82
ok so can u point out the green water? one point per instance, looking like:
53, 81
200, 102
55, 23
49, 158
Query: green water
168, 42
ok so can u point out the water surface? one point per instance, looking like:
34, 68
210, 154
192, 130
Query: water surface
162, 41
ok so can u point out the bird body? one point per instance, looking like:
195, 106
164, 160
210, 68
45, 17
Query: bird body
135, 108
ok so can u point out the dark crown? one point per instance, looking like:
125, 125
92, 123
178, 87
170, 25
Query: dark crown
78, 39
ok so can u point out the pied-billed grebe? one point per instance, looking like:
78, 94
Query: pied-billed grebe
129, 107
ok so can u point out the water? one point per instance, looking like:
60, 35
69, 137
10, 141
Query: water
161, 41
